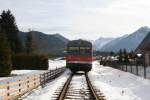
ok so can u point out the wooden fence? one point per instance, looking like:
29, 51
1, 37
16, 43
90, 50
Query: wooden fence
12, 90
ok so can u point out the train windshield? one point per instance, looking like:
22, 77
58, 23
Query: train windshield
73, 50
79, 51
85, 51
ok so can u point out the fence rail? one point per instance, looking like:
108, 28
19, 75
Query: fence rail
132, 67
14, 89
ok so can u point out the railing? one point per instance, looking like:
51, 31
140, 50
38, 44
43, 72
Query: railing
133, 67
11, 90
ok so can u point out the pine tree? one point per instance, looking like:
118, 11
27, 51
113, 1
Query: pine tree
112, 53
126, 59
5, 56
120, 56
9, 27
30, 43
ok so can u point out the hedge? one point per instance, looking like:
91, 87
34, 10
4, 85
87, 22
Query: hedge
30, 62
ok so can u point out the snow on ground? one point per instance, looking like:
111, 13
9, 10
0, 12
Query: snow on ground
24, 72
47, 92
119, 85
115, 84
53, 64
3, 78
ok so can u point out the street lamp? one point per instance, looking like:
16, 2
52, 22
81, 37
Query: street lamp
139, 55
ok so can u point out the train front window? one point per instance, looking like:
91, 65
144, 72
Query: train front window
73, 50
85, 50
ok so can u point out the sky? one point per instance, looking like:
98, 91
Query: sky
74, 19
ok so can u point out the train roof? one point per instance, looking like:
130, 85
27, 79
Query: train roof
79, 43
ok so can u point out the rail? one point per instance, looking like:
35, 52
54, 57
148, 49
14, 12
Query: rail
96, 95
12, 90
64, 89
93, 91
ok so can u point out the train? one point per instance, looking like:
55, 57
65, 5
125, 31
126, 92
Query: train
79, 55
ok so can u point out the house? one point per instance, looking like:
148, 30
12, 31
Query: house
144, 48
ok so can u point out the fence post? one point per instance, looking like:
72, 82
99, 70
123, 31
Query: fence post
47, 77
34, 81
131, 67
42, 80
19, 87
55, 71
122, 67
144, 71
28, 82
8, 94
126, 67
50, 74
136, 68
119, 66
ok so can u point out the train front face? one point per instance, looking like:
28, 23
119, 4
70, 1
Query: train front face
79, 56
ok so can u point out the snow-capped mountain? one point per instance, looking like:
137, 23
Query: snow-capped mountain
129, 42
99, 43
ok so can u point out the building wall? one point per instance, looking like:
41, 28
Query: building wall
147, 58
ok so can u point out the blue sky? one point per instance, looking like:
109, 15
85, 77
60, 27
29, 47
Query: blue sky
88, 19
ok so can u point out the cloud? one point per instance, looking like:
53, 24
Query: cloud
116, 19
80, 18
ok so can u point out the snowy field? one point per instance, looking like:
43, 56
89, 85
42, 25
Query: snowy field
119, 85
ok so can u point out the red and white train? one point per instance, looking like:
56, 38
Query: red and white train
79, 55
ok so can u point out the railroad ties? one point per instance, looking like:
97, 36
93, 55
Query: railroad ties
78, 87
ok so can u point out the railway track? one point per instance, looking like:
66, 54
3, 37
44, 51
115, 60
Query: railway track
79, 87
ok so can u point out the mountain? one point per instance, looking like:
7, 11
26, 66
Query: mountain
44, 43
110, 45
129, 42
99, 43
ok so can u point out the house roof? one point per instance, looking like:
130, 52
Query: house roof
145, 44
